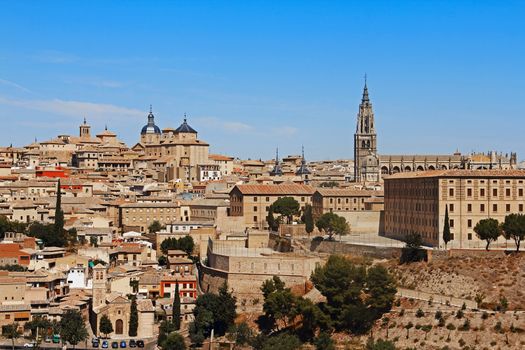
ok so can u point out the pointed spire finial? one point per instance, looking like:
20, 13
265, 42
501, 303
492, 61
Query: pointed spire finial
106, 127
150, 108
365, 91
277, 155
184, 117
85, 122
302, 151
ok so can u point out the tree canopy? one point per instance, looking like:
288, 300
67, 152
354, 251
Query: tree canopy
447, 237
185, 244
273, 223
488, 230
133, 318
514, 228
308, 219
287, 207
331, 224
174, 341
155, 227
356, 295
213, 311
105, 327
72, 327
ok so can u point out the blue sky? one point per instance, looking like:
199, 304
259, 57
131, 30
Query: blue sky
253, 75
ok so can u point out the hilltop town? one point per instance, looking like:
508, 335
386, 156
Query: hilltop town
162, 244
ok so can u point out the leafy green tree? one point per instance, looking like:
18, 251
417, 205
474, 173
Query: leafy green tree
176, 307
72, 327
312, 319
174, 341
412, 252
165, 328
324, 342
273, 224
105, 327
185, 244
280, 305
271, 285
58, 227
213, 311
488, 230
13, 268
355, 296
332, 223
241, 334
133, 318
329, 184
11, 331
447, 237
514, 228
7, 225
380, 344
308, 219
282, 342
155, 227
287, 207
38, 323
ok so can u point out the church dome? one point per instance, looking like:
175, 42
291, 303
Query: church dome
150, 128
185, 127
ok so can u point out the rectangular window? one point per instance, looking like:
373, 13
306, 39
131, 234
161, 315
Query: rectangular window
520, 207
469, 192
451, 222
255, 199
267, 199
494, 192
507, 192
451, 207
469, 208
482, 192
482, 208
520, 192
495, 208
469, 223
469, 236
255, 218
507, 207
451, 192
254, 208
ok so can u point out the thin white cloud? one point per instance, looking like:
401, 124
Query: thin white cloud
74, 108
231, 126
285, 130
13, 84
57, 57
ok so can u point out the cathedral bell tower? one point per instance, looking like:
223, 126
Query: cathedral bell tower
85, 130
365, 139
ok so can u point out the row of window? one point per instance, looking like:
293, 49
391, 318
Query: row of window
508, 192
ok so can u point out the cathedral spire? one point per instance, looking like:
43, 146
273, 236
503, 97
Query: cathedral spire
365, 98
277, 170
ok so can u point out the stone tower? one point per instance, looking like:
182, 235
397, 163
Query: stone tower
99, 286
85, 130
365, 138
303, 170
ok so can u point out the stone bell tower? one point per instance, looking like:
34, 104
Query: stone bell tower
365, 137
99, 285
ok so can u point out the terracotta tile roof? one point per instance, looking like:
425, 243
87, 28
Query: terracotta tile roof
219, 157
332, 192
284, 189
514, 173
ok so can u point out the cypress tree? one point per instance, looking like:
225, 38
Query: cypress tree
133, 318
58, 227
176, 307
308, 219
446, 228
273, 225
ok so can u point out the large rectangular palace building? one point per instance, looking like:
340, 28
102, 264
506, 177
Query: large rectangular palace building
416, 202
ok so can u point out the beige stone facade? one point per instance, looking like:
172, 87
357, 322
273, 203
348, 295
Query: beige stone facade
416, 203
327, 200
142, 215
253, 201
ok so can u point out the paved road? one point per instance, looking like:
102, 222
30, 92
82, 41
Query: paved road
19, 344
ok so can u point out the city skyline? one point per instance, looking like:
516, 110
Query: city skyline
442, 88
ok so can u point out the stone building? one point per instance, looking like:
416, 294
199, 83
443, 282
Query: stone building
142, 215
328, 200
253, 201
118, 309
415, 202
182, 150
245, 268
